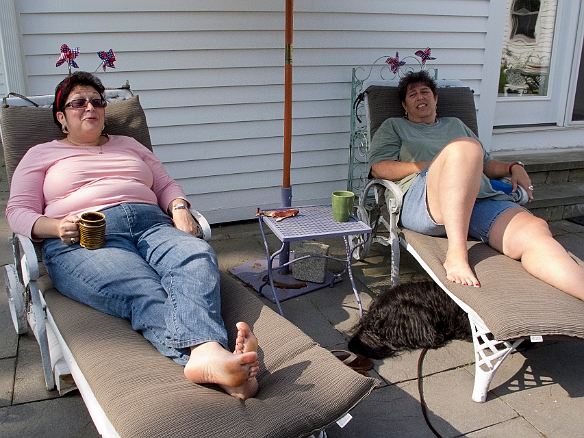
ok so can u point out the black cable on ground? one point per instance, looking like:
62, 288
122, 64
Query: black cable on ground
421, 392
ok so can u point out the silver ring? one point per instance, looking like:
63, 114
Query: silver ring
73, 240
530, 187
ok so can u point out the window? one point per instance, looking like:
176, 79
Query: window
524, 14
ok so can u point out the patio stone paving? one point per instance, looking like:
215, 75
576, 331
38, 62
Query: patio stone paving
538, 392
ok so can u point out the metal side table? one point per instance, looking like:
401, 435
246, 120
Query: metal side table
313, 222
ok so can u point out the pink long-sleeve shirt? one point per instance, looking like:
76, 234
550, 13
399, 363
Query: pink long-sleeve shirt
57, 180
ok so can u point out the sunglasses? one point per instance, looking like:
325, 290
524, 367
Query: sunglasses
82, 103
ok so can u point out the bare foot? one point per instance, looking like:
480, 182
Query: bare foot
234, 372
458, 270
246, 342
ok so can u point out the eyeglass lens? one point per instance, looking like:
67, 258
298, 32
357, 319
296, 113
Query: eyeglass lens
82, 103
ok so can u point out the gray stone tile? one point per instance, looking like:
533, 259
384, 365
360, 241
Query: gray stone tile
448, 397
574, 244
559, 176
566, 226
545, 385
235, 230
543, 213
7, 367
574, 210
557, 213
516, 427
544, 160
29, 382
404, 367
391, 412
9, 338
65, 417
338, 304
538, 178
6, 256
576, 175
535, 393
552, 363
236, 252
556, 230
311, 321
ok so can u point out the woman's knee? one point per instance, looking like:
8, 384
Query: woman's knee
466, 147
534, 227
528, 231
461, 158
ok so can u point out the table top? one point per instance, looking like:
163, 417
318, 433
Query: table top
314, 222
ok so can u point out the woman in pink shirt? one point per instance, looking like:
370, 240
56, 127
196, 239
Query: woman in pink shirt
153, 270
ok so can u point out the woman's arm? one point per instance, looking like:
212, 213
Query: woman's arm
396, 170
65, 229
182, 217
499, 169
26, 203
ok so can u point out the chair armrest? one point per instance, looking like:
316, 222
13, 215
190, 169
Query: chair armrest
397, 195
203, 225
25, 258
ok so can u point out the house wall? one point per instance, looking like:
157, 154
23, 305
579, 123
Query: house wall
3, 90
210, 77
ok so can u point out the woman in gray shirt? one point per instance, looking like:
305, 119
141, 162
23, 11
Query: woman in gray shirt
444, 171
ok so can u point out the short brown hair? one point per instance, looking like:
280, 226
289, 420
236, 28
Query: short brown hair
65, 87
415, 77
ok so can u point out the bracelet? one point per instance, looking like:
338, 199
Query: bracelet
513, 164
179, 206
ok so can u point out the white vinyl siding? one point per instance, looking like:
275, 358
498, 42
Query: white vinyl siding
3, 88
210, 76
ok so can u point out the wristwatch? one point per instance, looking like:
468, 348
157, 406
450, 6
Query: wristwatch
179, 206
514, 163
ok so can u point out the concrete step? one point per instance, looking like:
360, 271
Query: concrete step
558, 178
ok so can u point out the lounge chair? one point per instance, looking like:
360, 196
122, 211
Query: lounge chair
129, 388
511, 305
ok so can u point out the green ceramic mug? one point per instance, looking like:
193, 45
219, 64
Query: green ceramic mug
342, 205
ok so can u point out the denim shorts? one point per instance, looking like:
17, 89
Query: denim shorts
415, 215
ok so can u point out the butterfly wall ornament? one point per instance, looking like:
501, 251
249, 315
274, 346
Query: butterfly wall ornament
107, 59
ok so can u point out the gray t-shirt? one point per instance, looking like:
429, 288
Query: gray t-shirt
398, 139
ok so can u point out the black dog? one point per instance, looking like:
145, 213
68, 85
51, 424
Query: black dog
408, 317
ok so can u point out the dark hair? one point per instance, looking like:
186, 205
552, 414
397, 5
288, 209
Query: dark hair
65, 87
415, 77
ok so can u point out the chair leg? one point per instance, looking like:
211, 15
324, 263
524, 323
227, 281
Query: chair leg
489, 354
16, 299
361, 244
395, 256
37, 321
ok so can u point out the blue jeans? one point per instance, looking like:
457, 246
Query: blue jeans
165, 281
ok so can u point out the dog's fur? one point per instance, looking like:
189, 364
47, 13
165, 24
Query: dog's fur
408, 317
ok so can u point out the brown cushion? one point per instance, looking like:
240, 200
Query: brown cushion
303, 387
127, 118
511, 302
24, 127
458, 102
